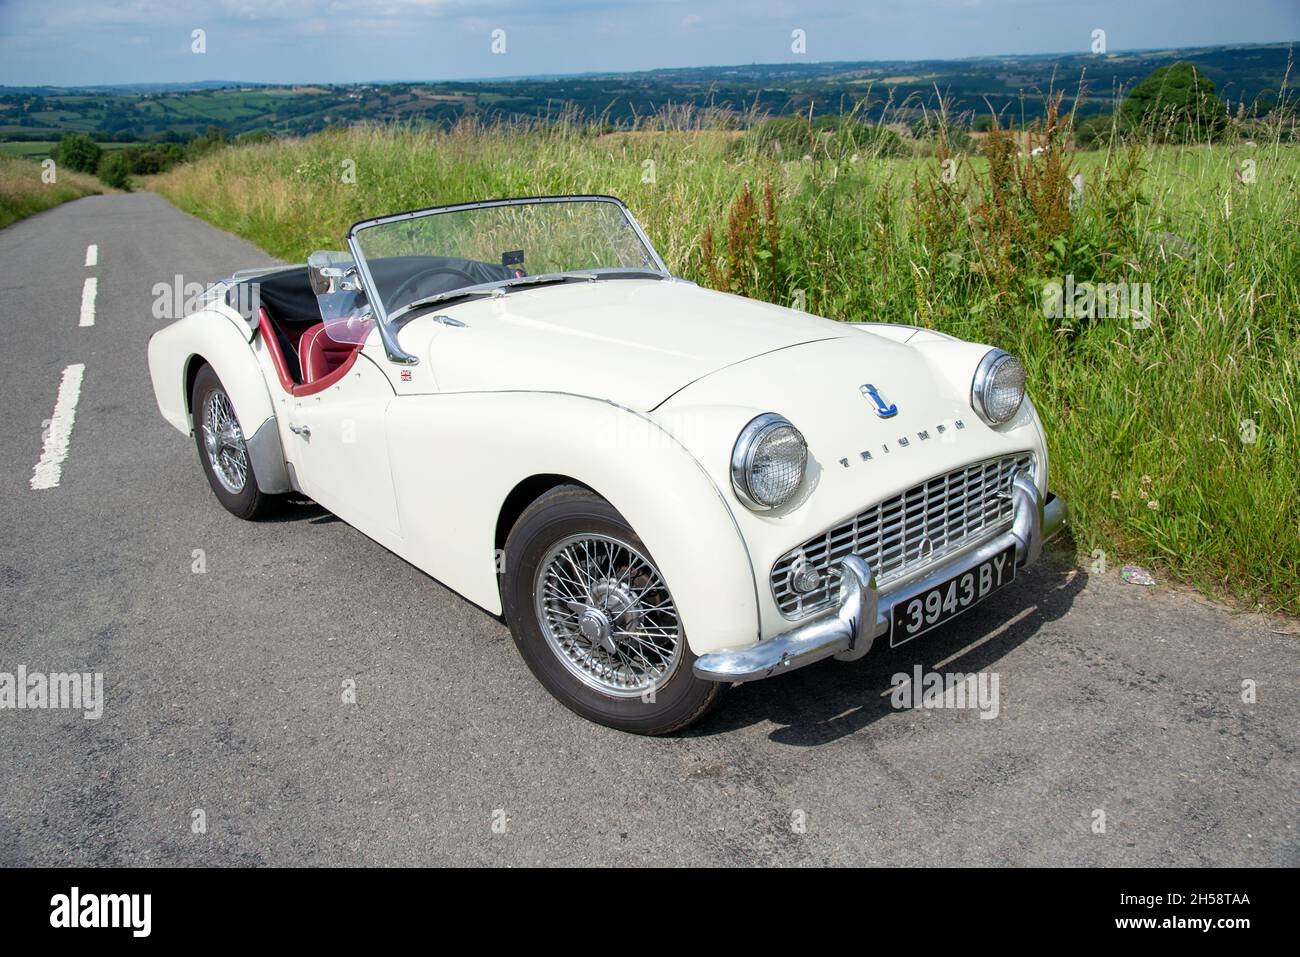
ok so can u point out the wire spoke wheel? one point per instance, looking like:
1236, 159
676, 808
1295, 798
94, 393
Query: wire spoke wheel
224, 442
606, 613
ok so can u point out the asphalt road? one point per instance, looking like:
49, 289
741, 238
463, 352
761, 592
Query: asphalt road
222, 689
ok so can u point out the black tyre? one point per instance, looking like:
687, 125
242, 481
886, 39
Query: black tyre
222, 449
594, 620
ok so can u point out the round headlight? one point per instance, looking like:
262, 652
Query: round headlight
998, 387
768, 462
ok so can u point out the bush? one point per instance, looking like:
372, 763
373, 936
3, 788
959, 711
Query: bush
115, 170
77, 151
782, 136
1097, 131
148, 160
213, 139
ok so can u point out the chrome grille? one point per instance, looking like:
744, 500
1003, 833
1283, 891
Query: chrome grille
949, 512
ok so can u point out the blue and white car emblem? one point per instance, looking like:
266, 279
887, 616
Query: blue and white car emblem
884, 409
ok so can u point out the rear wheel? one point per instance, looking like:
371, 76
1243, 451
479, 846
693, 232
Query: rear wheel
594, 620
222, 448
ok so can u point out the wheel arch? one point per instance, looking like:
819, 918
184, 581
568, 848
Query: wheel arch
177, 353
192, 366
211, 337
528, 491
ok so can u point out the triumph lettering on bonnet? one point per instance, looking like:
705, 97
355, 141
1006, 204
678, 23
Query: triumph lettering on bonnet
905, 442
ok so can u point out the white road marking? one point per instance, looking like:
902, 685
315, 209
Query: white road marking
49, 469
92, 254
88, 301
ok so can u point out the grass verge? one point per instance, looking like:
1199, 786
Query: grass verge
23, 192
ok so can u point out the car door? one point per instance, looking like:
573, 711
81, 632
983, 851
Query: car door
340, 451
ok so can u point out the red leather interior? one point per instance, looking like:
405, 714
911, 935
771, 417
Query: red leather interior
320, 355
323, 360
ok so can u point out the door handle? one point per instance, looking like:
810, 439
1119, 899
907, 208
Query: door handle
302, 430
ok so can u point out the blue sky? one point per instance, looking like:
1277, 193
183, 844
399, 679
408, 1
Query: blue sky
69, 42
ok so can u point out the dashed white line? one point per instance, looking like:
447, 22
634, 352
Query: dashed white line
92, 254
88, 301
49, 469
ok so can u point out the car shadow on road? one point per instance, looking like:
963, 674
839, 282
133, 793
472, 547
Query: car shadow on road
299, 508
832, 699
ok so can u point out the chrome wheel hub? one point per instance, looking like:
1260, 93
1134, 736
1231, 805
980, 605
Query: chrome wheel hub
606, 613
224, 442
594, 625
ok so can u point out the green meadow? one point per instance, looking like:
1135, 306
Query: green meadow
1172, 429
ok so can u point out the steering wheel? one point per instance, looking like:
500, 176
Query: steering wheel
422, 276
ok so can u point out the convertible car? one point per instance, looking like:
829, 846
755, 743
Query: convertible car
661, 489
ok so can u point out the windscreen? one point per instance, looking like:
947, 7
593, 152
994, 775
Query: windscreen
415, 257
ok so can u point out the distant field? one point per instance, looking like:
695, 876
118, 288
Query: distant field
22, 192
39, 149
1173, 438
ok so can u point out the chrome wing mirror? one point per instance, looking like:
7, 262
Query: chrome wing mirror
332, 272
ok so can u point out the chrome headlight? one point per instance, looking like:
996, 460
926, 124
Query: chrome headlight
768, 462
998, 387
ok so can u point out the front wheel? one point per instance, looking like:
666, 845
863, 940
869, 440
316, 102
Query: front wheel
594, 620
222, 448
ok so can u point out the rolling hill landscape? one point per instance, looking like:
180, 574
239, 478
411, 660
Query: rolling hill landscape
1015, 87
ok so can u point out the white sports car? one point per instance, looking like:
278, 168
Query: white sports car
662, 489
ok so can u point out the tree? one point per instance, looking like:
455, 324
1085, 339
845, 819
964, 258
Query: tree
79, 152
1176, 102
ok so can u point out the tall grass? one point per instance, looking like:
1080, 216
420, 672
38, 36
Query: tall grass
23, 192
1173, 436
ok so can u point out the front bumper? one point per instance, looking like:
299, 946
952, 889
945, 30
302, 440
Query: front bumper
863, 613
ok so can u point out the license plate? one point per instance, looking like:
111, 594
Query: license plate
947, 600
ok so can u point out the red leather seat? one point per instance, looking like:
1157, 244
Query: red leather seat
323, 360
321, 355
